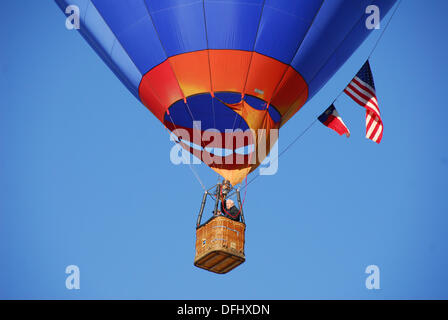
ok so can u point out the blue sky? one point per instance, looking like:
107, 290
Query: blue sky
85, 179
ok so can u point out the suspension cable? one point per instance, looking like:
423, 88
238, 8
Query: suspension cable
314, 121
283, 151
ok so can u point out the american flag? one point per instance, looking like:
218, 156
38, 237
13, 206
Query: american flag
362, 90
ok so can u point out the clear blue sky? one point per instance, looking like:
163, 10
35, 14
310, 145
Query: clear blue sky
85, 179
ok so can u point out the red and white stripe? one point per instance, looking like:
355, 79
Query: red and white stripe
338, 125
363, 94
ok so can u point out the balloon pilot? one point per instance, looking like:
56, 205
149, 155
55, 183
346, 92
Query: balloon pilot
228, 208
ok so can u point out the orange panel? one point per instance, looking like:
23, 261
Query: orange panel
192, 72
291, 89
229, 69
189, 74
160, 85
150, 101
293, 109
264, 75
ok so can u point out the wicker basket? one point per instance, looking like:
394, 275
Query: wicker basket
220, 245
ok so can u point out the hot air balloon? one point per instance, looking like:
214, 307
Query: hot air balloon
225, 64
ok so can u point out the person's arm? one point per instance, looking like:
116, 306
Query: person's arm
238, 213
234, 213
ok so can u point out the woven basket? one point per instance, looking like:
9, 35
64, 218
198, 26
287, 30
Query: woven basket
220, 245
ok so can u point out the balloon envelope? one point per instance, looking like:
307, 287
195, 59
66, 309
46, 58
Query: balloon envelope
230, 64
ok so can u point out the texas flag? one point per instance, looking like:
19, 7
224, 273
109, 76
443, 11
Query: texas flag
333, 120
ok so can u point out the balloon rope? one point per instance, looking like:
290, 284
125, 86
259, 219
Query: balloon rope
189, 164
297, 138
197, 176
384, 30
376, 43
315, 120
284, 150
325, 63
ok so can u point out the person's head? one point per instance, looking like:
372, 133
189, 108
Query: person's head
229, 203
